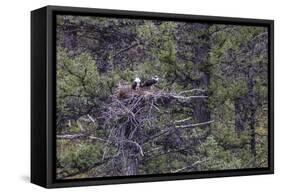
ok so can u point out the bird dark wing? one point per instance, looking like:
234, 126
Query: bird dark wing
149, 82
134, 85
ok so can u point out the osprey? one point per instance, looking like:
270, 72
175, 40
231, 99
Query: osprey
136, 83
150, 82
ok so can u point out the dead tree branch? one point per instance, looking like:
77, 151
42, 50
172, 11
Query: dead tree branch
132, 123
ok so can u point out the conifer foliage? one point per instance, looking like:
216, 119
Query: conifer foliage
208, 111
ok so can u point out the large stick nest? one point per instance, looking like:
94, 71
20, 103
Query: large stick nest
139, 119
139, 125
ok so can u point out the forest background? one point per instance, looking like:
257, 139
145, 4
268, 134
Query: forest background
226, 129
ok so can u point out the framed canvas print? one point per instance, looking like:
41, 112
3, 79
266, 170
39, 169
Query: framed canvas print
125, 96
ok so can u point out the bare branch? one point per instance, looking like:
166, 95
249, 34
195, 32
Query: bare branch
192, 90
194, 125
189, 166
91, 118
125, 49
187, 98
72, 136
183, 120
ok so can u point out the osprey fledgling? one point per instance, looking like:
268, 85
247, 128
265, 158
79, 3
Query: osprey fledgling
136, 83
150, 82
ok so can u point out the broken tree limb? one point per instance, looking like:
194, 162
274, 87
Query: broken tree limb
169, 130
187, 98
125, 49
189, 166
79, 136
183, 120
194, 125
91, 118
190, 91
72, 136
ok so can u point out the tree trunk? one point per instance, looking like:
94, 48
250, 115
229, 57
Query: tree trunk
252, 114
132, 166
201, 108
201, 112
240, 115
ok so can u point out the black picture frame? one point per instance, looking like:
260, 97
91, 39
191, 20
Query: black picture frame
43, 84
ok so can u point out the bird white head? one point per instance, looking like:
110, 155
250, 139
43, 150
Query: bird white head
156, 78
137, 79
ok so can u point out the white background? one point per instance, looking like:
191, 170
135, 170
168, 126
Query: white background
15, 95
